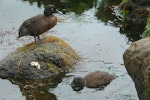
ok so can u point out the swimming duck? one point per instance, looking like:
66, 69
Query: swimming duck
39, 24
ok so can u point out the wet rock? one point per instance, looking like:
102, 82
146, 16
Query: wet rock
138, 16
135, 11
78, 83
48, 57
97, 79
137, 62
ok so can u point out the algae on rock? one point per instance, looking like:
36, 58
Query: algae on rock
52, 54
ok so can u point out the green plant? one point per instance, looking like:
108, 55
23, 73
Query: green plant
146, 32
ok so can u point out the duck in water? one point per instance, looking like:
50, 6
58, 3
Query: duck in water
39, 24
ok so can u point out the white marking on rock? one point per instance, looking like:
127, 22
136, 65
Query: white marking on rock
35, 64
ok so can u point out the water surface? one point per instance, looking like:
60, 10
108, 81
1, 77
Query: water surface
93, 33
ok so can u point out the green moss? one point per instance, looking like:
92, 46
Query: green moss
123, 1
125, 5
27, 46
147, 89
52, 67
42, 50
146, 32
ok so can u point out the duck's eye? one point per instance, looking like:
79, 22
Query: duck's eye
52, 9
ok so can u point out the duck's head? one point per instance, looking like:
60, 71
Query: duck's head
23, 31
49, 10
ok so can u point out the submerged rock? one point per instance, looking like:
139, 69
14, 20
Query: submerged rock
137, 63
49, 57
97, 79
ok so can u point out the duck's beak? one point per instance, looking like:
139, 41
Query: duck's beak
57, 11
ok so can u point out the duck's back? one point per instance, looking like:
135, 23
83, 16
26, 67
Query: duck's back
39, 24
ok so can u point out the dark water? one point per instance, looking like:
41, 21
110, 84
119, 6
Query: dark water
91, 28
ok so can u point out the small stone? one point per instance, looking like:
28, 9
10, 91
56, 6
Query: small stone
78, 83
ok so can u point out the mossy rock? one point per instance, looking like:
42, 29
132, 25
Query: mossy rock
137, 62
48, 57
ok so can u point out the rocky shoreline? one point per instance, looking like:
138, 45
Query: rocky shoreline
137, 56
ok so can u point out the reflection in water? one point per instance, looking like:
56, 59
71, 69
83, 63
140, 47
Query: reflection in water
38, 89
133, 32
40, 95
77, 6
104, 13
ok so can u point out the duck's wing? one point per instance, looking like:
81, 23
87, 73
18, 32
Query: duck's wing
32, 22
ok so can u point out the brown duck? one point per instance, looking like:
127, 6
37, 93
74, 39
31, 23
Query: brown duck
39, 24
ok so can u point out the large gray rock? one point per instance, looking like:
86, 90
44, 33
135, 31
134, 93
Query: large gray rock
137, 63
50, 56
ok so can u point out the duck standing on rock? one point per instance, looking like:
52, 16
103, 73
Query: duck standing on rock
39, 24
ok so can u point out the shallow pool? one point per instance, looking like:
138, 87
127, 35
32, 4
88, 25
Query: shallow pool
99, 44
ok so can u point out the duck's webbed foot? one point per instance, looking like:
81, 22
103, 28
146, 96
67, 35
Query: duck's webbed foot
35, 39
